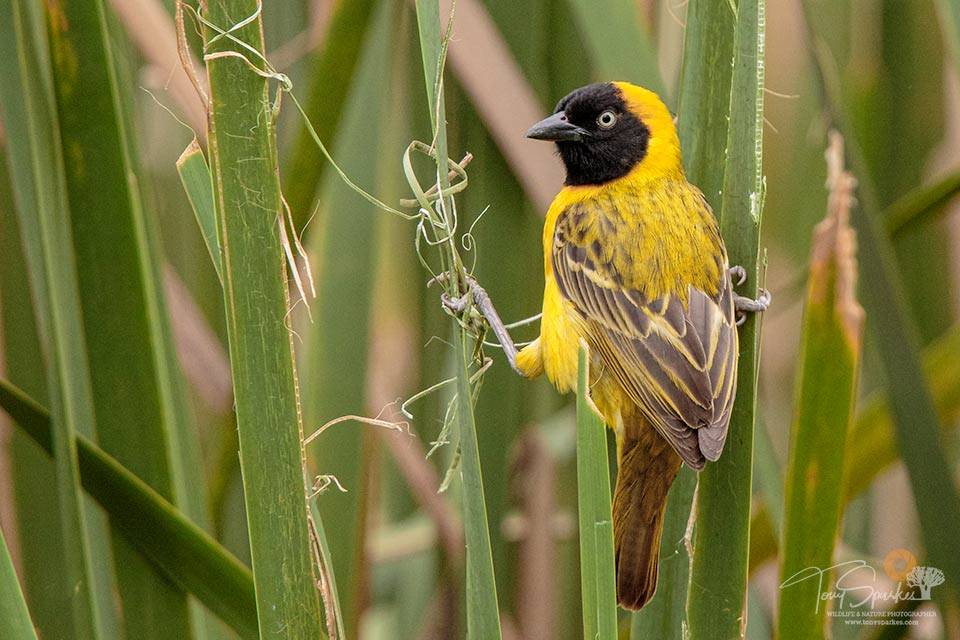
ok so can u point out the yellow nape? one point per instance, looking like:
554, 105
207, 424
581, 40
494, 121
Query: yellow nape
663, 148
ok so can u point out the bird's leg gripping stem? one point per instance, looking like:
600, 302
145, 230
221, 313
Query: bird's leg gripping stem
483, 304
742, 304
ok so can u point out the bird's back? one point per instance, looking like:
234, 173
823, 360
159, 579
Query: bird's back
657, 236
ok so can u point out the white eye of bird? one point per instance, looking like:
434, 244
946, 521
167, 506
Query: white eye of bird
607, 119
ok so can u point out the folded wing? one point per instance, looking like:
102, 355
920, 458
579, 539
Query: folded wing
674, 356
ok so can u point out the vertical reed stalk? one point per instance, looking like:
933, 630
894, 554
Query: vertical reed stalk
247, 195
598, 592
721, 539
483, 616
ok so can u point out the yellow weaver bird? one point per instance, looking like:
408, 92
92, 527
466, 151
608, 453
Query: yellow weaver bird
635, 267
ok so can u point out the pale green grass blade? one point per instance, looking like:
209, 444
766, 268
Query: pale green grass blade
873, 431
721, 539
597, 579
921, 204
541, 35
897, 342
26, 95
176, 547
829, 360
619, 44
506, 265
247, 191
704, 105
331, 76
483, 614
15, 623
343, 249
124, 313
197, 183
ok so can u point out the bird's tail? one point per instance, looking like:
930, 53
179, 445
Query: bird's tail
646, 469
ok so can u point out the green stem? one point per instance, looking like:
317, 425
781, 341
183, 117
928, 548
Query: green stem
247, 194
598, 591
721, 541
483, 616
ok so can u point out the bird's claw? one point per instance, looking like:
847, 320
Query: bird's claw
455, 305
744, 305
737, 274
458, 305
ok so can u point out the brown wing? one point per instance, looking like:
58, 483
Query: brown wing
676, 361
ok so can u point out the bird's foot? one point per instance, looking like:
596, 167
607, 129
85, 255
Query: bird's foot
483, 310
742, 304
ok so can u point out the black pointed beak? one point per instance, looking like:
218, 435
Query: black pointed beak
557, 128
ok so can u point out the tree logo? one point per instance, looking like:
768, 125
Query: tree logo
924, 578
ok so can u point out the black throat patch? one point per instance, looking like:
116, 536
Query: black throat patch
607, 154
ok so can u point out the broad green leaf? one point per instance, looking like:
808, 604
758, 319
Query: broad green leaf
177, 548
897, 341
26, 96
704, 99
247, 195
721, 538
598, 591
139, 413
829, 366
